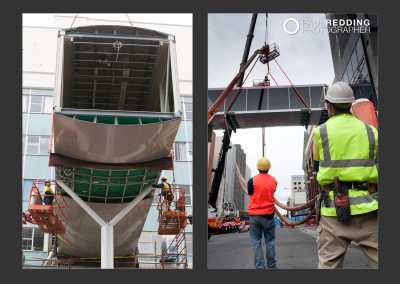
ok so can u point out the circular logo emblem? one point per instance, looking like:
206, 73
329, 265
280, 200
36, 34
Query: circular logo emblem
296, 29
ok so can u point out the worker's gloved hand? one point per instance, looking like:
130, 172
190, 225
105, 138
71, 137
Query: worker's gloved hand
153, 185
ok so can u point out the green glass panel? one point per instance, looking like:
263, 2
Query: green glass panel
128, 120
105, 119
99, 190
101, 172
97, 179
83, 171
136, 172
149, 120
135, 179
85, 118
119, 173
114, 191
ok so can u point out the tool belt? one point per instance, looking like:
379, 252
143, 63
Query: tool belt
357, 185
341, 191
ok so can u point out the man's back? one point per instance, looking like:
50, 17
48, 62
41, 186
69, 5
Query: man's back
261, 191
347, 149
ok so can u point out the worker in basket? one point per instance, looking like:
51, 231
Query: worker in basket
266, 81
166, 191
180, 204
345, 152
48, 193
261, 189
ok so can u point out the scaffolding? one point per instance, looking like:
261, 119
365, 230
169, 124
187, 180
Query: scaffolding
173, 221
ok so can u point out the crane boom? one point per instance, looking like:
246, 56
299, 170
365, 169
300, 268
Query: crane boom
216, 105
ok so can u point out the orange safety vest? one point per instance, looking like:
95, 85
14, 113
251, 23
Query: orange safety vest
262, 200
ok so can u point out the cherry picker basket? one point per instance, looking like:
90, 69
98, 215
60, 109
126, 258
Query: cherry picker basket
52, 218
172, 216
271, 51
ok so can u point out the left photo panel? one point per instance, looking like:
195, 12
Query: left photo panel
107, 177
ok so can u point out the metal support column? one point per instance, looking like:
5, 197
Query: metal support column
107, 246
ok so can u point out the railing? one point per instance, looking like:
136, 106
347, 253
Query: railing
58, 207
178, 202
167, 261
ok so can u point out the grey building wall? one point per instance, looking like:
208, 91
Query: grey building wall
239, 194
230, 181
229, 175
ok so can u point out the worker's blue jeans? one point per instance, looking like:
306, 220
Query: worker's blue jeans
260, 224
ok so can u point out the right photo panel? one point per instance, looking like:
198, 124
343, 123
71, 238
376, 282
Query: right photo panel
292, 141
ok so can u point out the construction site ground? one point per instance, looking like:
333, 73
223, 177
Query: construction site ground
296, 248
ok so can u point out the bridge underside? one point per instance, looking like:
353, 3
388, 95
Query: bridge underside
251, 119
273, 106
270, 106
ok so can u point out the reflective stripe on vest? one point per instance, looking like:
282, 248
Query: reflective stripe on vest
360, 202
327, 162
347, 149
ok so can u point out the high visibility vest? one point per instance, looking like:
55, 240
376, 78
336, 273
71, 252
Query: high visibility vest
46, 188
348, 149
262, 199
166, 186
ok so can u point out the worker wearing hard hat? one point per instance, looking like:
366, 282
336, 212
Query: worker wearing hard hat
48, 193
261, 189
165, 191
345, 153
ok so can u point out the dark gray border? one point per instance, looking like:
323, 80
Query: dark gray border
11, 116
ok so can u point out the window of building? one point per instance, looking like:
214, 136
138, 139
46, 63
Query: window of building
354, 62
190, 151
187, 193
295, 187
37, 144
37, 101
183, 151
359, 50
180, 151
26, 189
188, 111
32, 239
345, 77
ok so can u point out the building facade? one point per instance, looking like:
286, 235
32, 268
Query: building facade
297, 189
355, 61
355, 55
230, 185
39, 65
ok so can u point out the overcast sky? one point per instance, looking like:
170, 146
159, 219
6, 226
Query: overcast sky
48, 19
305, 58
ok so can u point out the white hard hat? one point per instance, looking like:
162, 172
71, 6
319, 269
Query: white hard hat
339, 93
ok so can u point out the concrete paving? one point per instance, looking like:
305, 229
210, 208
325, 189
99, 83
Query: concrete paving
295, 249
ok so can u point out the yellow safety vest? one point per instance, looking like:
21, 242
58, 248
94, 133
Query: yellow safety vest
347, 149
46, 188
166, 186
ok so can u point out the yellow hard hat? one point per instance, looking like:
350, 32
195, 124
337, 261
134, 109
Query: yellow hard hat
163, 178
263, 164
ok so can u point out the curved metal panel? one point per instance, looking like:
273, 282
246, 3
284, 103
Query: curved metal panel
82, 237
106, 143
